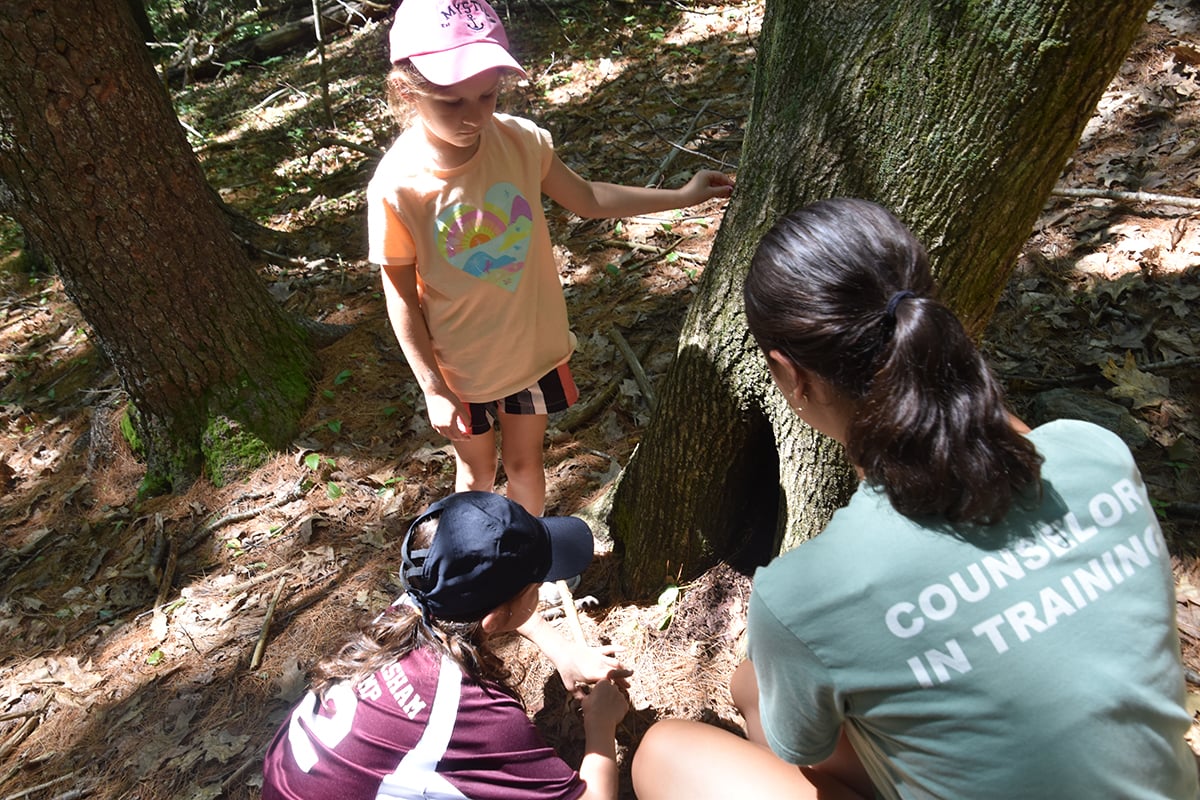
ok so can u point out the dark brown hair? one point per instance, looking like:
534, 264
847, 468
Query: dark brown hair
843, 289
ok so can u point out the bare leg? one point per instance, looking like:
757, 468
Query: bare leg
743, 686
476, 463
683, 758
521, 440
843, 766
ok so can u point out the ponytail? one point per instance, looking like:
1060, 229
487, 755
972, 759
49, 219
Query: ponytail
402, 628
843, 289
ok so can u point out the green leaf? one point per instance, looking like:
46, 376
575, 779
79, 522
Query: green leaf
156, 656
313, 461
333, 491
334, 425
342, 377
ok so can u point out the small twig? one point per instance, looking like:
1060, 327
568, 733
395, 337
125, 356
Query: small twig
658, 251
241, 771
241, 516
635, 366
19, 735
333, 141
256, 659
583, 413
579, 415
1136, 197
255, 581
676, 147
272, 97
39, 787
73, 794
1079, 377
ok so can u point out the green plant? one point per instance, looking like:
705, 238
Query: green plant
314, 461
667, 602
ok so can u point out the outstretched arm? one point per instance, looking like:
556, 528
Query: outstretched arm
598, 199
577, 664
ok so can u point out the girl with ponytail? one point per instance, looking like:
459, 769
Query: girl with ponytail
418, 705
991, 616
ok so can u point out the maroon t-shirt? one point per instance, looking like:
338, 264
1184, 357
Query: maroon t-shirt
417, 728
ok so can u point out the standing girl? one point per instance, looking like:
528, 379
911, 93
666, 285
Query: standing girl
993, 613
418, 706
456, 223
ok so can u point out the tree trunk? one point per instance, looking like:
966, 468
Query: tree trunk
956, 115
100, 174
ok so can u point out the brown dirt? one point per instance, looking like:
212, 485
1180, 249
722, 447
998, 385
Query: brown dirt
108, 690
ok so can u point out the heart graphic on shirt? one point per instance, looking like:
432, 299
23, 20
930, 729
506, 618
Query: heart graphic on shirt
489, 243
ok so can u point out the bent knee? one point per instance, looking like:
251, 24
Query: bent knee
657, 756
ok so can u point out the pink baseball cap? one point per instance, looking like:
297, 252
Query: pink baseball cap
449, 41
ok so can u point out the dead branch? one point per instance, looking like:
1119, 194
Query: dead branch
334, 17
1135, 197
329, 141
256, 659
676, 147
255, 581
1084, 377
582, 413
40, 786
658, 251
635, 366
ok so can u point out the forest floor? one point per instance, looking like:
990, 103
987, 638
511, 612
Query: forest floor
116, 682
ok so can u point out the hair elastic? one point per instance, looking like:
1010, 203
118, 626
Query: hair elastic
890, 311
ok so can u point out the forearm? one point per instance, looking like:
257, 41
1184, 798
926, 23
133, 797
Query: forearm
599, 766
547, 638
408, 323
611, 200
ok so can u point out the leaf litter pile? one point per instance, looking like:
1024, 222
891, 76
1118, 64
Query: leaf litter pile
149, 649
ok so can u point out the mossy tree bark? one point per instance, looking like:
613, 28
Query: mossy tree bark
99, 172
956, 114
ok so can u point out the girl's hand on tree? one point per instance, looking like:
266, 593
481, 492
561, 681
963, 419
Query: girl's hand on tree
448, 416
705, 185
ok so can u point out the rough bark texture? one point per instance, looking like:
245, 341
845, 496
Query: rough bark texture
99, 173
958, 115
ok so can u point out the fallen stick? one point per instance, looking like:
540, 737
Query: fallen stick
39, 787
635, 366
676, 147
256, 659
33, 717
658, 251
1136, 197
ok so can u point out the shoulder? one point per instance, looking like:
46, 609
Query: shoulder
398, 163
1074, 439
519, 127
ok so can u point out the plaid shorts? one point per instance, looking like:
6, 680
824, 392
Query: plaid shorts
554, 392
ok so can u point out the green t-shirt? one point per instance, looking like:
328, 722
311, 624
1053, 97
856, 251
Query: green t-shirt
1046, 667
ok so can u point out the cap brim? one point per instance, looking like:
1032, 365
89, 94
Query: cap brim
449, 67
571, 546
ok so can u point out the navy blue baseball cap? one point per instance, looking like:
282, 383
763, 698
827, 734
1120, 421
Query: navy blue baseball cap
486, 550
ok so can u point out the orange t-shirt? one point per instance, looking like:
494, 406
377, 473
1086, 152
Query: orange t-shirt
486, 274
